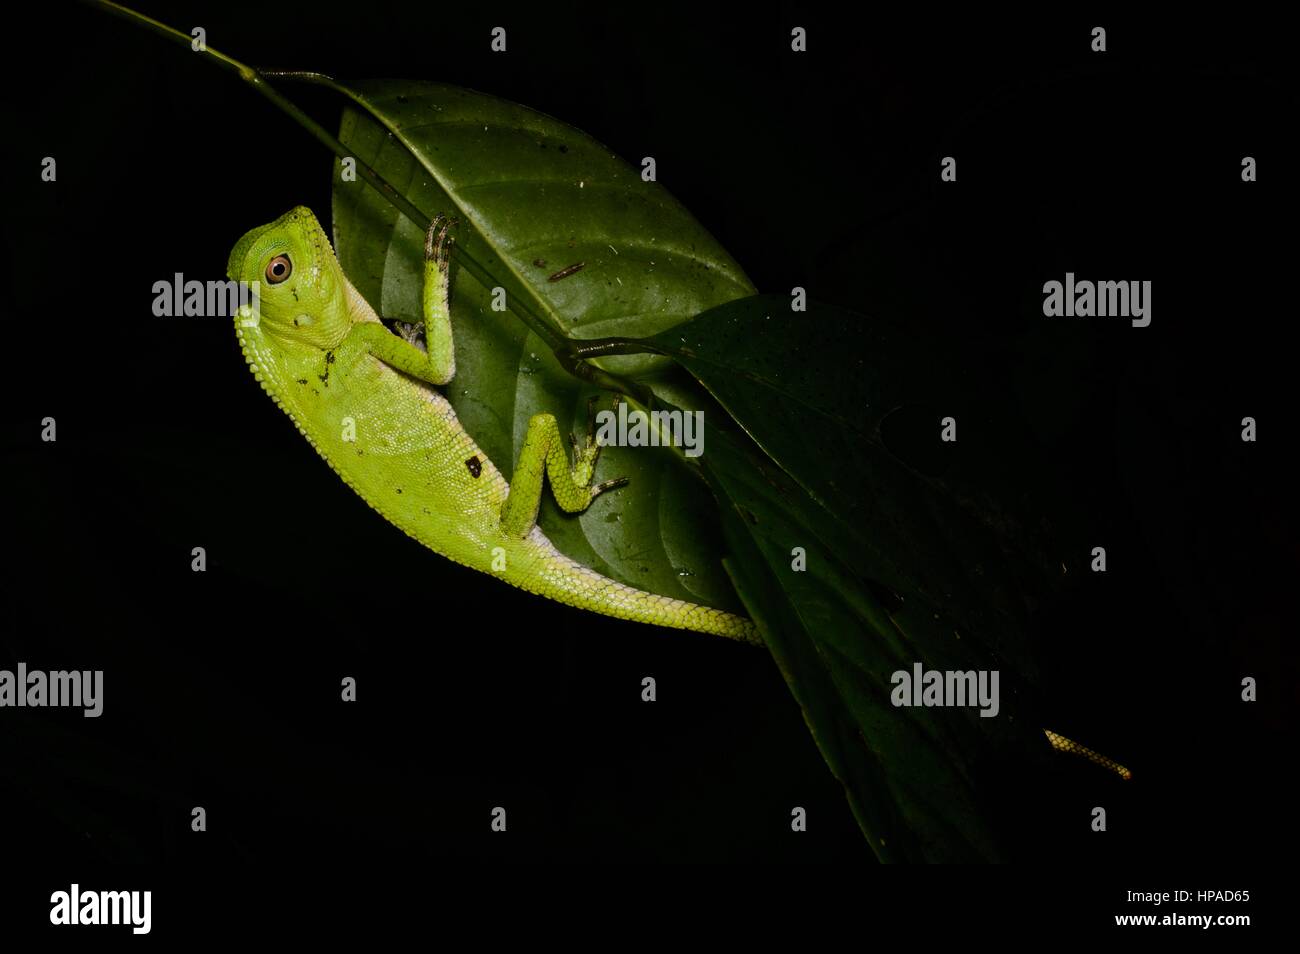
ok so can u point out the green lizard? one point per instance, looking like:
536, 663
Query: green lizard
366, 400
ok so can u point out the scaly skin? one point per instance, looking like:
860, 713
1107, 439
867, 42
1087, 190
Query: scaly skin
365, 399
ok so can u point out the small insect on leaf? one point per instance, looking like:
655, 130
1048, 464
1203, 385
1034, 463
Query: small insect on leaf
566, 272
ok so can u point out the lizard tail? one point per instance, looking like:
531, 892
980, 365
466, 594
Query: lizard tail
560, 578
1062, 744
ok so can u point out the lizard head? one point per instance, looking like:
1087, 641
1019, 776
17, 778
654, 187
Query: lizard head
301, 291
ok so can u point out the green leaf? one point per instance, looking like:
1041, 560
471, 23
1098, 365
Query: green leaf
851, 409
537, 197
903, 566
909, 773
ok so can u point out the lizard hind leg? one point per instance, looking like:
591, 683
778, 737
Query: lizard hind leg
543, 456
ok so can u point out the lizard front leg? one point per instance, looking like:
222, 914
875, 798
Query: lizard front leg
437, 362
543, 456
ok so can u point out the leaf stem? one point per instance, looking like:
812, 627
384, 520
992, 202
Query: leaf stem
256, 80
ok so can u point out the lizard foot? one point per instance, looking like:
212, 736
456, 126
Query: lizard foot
437, 243
586, 454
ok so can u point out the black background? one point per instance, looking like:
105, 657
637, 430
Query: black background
817, 169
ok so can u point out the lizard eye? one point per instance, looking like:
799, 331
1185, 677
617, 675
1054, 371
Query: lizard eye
278, 269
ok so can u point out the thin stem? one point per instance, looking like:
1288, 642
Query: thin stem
170, 33
256, 80
600, 347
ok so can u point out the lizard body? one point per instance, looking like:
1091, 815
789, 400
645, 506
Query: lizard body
366, 400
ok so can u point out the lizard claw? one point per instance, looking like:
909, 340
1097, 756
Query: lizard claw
430, 234
588, 453
410, 332
437, 244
